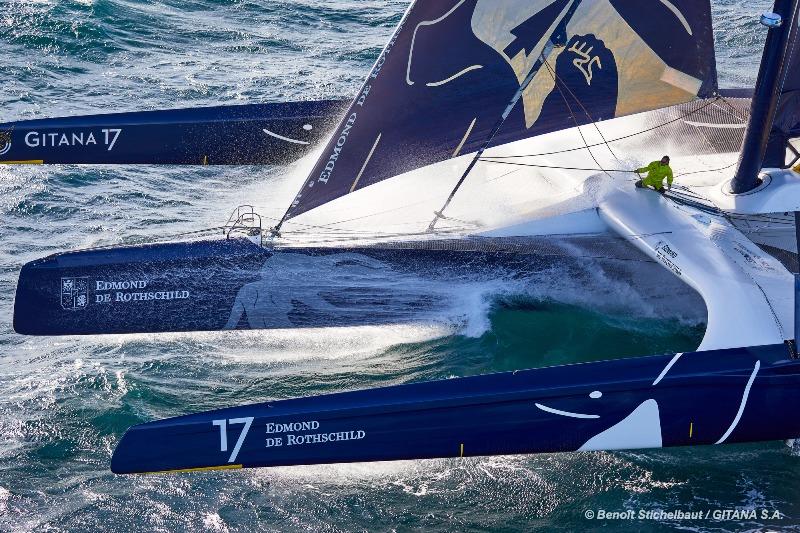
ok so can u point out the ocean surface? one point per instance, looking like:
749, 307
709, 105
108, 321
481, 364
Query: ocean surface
65, 402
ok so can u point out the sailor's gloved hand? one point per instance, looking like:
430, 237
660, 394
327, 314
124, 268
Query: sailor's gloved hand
662, 190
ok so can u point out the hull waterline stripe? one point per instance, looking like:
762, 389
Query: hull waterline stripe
741, 405
198, 469
27, 162
364, 166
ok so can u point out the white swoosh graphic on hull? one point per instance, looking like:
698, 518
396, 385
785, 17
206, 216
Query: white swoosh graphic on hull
741, 405
281, 137
666, 369
564, 413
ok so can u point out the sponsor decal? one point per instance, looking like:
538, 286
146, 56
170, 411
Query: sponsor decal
278, 434
668, 251
5, 142
286, 434
341, 140
74, 293
752, 258
337, 150
133, 290
667, 256
54, 139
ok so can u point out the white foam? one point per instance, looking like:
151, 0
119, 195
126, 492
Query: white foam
357, 342
214, 522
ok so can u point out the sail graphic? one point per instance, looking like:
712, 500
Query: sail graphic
452, 66
787, 118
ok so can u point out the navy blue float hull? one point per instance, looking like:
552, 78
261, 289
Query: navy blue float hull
235, 284
737, 395
274, 133
162, 287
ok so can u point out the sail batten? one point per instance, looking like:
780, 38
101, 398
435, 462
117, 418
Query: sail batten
447, 75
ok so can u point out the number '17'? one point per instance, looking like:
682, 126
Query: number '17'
223, 434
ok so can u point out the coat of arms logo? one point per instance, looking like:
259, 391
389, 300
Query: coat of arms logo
74, 293
5, 142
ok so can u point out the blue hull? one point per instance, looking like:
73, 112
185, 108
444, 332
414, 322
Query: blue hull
271, 134
234, 284
726, 396
163, 287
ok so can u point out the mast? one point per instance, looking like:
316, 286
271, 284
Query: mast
767, 94
797, 285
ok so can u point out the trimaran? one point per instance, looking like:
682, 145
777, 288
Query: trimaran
468, 95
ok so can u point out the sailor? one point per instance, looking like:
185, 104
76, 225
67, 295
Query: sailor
656, 172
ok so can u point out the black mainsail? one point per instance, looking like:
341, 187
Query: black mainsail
451, 68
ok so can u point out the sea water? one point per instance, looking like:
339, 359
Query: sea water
65, 402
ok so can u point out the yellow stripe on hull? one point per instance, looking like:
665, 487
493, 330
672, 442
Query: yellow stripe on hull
28, 162
199, 469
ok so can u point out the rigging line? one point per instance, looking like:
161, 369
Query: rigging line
343, 232
484, 146
705, 137
786, 220
558, 32
310, 226
585, 111
707, 209
375, 239
634, 134
558, 84
765, 220
733, 111
706, 170
606, 170
331, 225
503, 175
147, 240
683, 192
712, 210
345, 236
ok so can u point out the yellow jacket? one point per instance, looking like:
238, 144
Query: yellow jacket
656, 172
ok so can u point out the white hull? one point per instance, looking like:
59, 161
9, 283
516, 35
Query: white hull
710, 241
